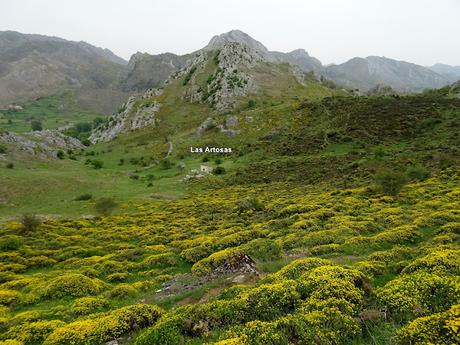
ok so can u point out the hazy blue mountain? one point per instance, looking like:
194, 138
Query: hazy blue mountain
366, 73
448, 71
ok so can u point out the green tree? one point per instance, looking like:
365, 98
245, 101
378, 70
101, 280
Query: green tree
105, 206
36, 125
60, 154
97, 164
29, 222
220, 170
390, 182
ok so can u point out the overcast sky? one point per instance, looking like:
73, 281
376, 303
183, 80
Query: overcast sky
419, 31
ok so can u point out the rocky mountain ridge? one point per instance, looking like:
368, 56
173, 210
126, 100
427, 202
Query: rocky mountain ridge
33, 65
366, 73
357, 73
450, 72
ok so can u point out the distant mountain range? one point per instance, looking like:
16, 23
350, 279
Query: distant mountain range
366, 73
32, 66
450, 72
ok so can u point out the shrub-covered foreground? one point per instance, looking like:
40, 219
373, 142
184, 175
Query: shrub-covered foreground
344, 266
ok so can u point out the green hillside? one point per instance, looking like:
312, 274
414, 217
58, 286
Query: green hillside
334, 220
52, 112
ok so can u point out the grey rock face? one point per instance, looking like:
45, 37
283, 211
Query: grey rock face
205, 125
232, 78
237, 36
299, 57
146, 71
43, 144
131, 117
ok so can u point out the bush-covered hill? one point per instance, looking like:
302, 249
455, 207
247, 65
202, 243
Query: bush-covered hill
336, 266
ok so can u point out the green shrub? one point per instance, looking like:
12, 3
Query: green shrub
269, 301
197, 253
236, 239
9, 165
440, 328
34, 332
122, 290
390, 182
250, 203
379, 152
262, 249
328, 326
3, 149
344, 283
29, 222
420, 293
159, 260
8, 297
417, 173
88, 305
105, 206
189, 75
166, 332
251, 103
220, 170
219, 313
166, 164
60, 154
11, 342
297, 268
84, 197
118, 277
36, 125
72, 284
105, 327
438, 261
10, 243
96, 163
261, 333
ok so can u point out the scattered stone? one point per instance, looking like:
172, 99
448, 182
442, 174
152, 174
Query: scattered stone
15, 107
239, 279
231, 121
237, 263
205, 126
43, 144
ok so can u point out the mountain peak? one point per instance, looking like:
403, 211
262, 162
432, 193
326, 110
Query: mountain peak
299, 52
237, 36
